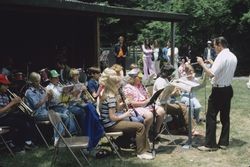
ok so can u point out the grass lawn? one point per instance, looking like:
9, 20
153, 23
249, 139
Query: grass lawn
237, 155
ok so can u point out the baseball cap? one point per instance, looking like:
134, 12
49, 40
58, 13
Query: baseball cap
54, 74
209, 42
4, 79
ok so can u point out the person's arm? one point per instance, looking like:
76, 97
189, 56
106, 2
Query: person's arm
139, 103
146, 50
205, 68
14, 102
34, 102
115, 117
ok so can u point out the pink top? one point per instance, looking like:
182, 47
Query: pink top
135, 93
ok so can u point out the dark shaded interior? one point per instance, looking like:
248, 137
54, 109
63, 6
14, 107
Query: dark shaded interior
35, 39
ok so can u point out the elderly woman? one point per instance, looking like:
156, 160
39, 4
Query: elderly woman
138, 97
115, 122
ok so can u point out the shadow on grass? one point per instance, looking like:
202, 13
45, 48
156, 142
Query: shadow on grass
237, 142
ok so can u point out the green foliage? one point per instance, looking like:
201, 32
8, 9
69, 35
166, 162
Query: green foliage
155, 30
246, 18
208, 19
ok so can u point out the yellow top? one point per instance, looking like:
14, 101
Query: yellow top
120, 54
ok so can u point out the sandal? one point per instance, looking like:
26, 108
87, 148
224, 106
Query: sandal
102, 154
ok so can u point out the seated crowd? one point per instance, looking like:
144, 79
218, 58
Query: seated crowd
120, 100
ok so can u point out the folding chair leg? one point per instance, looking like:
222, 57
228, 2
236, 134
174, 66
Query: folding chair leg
54, 157
39, 131
165, 128
113, 147
78, 161
81, 150
7, 146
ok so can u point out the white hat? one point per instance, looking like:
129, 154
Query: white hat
209, 42
135, 72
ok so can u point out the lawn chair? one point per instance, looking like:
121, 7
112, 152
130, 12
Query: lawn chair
4, 130
69, 142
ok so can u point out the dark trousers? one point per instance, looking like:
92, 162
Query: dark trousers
122, 61
22, 127
219, 101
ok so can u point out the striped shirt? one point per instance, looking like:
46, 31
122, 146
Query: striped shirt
107, 104
223, 68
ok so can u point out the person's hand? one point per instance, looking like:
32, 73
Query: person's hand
128, 102
16, 100
209, 61
146, 101
188, 60
200, 60
83, 88
49, 94
128, 113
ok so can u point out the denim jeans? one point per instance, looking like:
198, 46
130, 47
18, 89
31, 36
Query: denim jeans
66, 118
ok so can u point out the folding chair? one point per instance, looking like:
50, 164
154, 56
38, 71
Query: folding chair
168, 118
4, 130
42, 122
110, 136
69, 142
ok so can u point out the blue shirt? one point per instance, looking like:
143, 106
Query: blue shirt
33, 97
92, 86
165, 53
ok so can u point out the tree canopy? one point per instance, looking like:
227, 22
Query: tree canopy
208, 19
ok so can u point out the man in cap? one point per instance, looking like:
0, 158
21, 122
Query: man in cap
209, 52
58, 105
56, 90
11, 116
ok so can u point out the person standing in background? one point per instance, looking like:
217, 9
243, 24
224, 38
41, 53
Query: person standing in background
209, 52
165, 53
121, 51
148, 68
173, 58
156, 56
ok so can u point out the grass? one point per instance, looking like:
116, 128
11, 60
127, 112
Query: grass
167, 155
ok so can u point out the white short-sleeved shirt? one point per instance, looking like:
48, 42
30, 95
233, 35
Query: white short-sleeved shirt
57, 91
223, 68
160, 83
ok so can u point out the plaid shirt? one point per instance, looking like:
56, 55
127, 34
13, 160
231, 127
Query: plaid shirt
4, 101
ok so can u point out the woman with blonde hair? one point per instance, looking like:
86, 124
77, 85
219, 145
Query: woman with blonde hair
112, 121
118, 69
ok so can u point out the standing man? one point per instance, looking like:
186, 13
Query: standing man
209, 52
121, 51
222, 72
